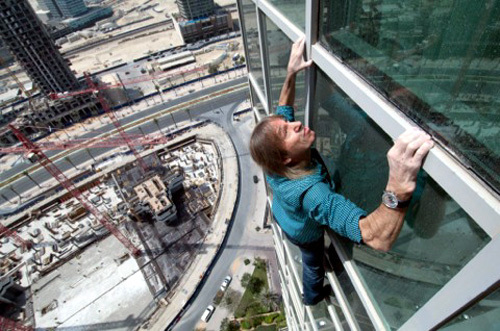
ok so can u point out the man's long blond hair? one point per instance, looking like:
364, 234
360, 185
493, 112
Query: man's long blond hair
267, 150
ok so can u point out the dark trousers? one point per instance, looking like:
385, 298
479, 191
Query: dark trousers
313, 271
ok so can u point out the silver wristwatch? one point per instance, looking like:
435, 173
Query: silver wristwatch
391, 200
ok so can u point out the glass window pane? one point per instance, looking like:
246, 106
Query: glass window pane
438, 238
484, 315
253, 44
256, 102
279, 47
438, 61
294, 10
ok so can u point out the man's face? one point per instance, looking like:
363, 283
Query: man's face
297, 139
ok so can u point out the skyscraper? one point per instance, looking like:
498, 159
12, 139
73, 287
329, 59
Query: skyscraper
64, 8
379, 68
30, 43
194, 9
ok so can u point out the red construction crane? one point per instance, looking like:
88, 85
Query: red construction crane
73, 190
5, 231
9, 325
82, 143
140, 79
116, 122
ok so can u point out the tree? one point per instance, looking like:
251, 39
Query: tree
245, 279
12, 189
68, 159
26, 173
88, 152
227, 325
157, 122
255, 285
270, 300
188, 111
213, 68
231, 299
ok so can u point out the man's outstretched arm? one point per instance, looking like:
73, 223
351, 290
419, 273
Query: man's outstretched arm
296, 63
381, 228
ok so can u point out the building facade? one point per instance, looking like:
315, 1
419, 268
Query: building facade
30, 43
64, 8
33, 48
207, 27
195, 9
381, 67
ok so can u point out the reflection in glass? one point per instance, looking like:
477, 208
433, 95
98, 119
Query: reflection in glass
279, 47
253, 44
438, 238
256, 102
294, 10
484, 315
438, 61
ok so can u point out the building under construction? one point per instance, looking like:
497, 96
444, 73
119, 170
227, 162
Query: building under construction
33, 48
52, 264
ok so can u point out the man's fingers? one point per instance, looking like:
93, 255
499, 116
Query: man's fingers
307, 64
405, 138
415, 144
422, 151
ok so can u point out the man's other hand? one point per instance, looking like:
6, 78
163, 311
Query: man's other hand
297, 62
405, 159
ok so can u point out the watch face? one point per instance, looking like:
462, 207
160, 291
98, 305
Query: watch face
390, 200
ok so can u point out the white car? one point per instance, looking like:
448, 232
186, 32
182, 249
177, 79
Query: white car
207, 313
225, 283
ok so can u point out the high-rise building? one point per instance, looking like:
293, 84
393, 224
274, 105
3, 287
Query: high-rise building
64, 8
30, 43
194, 9
379, 68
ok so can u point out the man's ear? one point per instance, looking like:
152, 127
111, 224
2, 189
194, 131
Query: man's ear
287, 160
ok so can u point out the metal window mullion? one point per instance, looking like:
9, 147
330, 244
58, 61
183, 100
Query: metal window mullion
476, 277
473, 196
258, 91
335, 317
311, 318
358, 284
264, 54
311, 19
281, 21
344, 305
243, 33
292, 264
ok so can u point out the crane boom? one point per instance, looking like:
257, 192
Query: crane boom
136, 140
116, 123
73, 190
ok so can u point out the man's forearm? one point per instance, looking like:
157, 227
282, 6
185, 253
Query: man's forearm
287, 96
381, 228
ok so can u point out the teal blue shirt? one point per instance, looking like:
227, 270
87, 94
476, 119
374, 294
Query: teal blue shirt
303, 207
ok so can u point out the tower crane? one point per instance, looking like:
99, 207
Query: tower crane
51, 168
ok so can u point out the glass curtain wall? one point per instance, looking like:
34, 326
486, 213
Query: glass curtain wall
439, 62
279, 51
438, 238
250, 24
436, 62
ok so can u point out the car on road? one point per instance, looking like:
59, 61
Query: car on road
255, 179
225, 283
207, 313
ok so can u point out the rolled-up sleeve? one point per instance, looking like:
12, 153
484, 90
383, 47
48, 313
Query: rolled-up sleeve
332, 209
287, 112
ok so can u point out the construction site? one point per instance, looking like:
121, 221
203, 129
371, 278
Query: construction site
122, 234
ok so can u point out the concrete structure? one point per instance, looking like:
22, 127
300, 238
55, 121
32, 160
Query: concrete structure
154, 197
206, 27
371, 80
195, 9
